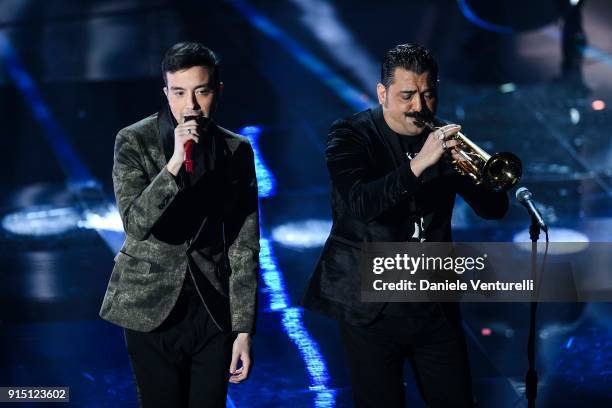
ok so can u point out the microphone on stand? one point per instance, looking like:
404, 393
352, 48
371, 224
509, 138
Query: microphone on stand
524, 196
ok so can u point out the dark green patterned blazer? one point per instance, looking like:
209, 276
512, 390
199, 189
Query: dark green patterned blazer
206, 225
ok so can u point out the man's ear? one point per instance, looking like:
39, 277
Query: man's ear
166, 91
381, 91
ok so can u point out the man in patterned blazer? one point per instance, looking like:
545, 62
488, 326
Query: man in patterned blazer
184, 285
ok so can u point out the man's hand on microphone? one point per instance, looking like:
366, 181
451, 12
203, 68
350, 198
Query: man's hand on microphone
182, 133
436, 144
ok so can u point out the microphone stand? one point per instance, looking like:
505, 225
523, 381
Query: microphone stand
531, 379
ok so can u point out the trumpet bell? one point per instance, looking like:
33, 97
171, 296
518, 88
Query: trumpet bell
502, 171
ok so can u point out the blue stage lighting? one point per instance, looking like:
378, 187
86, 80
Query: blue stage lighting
309, 233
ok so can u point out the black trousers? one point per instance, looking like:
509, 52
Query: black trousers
184, 362
435, 348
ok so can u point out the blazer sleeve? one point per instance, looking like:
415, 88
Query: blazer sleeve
349, 162
486, 204
140, 200
241, 227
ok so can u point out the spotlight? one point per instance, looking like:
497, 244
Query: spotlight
309, 233
42, 221
574, 116
598, 105
574, 241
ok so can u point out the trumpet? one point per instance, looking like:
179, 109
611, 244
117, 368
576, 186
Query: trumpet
498, 172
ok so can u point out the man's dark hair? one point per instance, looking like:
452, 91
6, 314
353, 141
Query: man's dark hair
189, 54
411, 57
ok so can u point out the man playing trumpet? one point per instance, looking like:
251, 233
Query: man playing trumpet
390, 183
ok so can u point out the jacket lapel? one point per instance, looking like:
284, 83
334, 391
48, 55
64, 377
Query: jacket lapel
391, 145
165, 125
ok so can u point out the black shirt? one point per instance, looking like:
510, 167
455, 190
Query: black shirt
404, 149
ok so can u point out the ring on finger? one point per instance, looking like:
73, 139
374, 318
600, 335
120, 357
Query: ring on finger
444, 145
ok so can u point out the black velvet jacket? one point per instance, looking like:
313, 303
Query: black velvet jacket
371, 194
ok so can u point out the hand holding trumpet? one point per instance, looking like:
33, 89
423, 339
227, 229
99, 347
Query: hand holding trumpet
498, 172
438, 142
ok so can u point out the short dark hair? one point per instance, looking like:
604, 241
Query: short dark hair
189, 54
411, 57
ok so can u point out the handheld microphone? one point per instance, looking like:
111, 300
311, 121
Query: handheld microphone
188, 148
203, 124
525, 197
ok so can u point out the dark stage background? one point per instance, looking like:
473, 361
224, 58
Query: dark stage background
72, 73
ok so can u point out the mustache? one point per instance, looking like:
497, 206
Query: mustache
424, 115
420, 118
